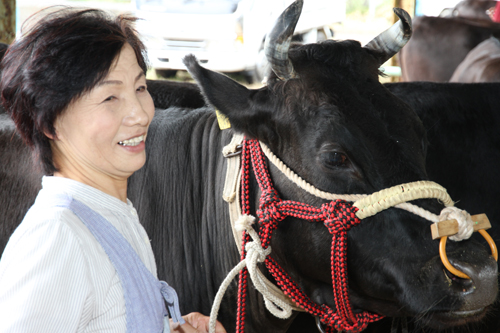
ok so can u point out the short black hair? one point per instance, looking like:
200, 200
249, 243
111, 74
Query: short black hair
60, 58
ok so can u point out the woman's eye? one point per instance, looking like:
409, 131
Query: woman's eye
334, 159
110, 98
141, 88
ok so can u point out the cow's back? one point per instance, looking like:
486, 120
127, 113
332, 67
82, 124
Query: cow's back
482, 64
438, 45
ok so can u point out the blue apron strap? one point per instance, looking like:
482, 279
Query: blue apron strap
145, 295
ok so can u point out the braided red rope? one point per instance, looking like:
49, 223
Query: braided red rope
338, 216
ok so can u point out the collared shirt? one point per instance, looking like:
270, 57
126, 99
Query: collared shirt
55, 276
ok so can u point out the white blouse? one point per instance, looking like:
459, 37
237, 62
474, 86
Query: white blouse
55, 276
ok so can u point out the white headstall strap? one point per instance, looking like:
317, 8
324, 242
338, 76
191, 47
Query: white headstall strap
231, 192
231, 195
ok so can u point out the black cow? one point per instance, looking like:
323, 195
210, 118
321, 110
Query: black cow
331, 121
439, 45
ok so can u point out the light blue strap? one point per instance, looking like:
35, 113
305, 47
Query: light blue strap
145, 295
172, 300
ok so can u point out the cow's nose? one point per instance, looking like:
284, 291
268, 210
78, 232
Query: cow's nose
482, 287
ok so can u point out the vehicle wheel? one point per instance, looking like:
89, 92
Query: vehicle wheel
166, 73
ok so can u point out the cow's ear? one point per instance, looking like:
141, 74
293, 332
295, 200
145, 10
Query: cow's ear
249, 111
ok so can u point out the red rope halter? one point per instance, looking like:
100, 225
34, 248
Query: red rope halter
338, 216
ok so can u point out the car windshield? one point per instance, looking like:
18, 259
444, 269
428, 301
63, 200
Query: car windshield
189, 6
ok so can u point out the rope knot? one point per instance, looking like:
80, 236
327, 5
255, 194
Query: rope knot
465, 223
244, 222
269, 197
269, 210
339, 216
255, 250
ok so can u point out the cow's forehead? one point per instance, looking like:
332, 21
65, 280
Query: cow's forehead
340, 59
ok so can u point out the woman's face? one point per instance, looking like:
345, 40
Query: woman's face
103, 132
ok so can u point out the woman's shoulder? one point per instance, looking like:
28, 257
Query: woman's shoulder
51, 229
42, 221
52, 261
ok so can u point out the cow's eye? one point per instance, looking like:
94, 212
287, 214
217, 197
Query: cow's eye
334, 159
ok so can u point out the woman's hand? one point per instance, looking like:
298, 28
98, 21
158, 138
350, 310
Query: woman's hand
195, 323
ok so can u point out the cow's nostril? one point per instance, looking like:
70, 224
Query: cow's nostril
465, 285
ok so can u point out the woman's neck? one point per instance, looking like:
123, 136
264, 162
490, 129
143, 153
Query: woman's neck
109, 185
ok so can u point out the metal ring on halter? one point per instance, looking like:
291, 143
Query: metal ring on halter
449, 266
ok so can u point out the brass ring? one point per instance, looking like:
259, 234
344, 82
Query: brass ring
449, 266
491, 243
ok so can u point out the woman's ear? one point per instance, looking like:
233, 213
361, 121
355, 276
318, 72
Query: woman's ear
52, 133
50, 136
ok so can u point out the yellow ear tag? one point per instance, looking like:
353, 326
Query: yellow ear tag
222, 120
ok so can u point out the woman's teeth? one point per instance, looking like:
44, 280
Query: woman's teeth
132, 142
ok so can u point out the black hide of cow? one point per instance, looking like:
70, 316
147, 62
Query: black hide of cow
462, 122
20, 180
438, 45
167, 94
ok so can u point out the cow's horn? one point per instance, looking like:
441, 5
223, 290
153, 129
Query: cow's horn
279, 39
394, 38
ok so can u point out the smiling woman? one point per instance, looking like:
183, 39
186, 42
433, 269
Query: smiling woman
75, 86
101, 136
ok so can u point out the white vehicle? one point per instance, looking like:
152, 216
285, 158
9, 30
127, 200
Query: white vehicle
225, 35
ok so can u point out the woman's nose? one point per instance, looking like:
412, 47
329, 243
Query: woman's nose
137, 112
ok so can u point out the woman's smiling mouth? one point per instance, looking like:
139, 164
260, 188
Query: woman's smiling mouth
132, 142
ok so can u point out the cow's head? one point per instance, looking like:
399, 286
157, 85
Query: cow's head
325, 114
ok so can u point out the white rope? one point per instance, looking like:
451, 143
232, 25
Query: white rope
214, 312
255, 254
396, 196
465, 223
305, 185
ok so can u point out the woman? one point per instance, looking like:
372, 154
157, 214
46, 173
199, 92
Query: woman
80, 261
